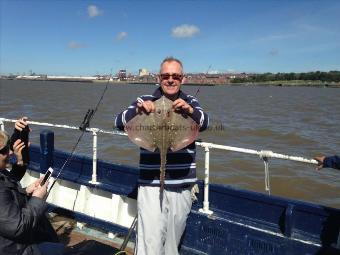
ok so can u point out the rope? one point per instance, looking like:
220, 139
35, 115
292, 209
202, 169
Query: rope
264, 155
266, 174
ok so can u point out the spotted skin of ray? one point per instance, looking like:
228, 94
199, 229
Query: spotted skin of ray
164, 129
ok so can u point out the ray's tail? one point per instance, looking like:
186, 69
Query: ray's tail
162, 176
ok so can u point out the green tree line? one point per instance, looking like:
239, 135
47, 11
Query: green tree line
310, 76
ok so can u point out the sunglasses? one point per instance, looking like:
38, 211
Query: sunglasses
5, 150
175, 76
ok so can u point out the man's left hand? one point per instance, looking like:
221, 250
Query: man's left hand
184, 106
21, 123
320, 160
17, 150
33, 186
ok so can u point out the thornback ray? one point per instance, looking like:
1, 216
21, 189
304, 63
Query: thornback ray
164, 129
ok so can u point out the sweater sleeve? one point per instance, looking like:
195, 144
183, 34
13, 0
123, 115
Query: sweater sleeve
17, 222
126, 115
18, 172
199, 116
332, 161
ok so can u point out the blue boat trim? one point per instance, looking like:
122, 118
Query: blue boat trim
244, 222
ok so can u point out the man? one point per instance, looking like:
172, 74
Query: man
161, 225
24, 228
330, 161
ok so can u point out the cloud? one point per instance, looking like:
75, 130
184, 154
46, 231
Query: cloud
93, 11
277, 37
274, 52
121, 36
75, 45
185, 31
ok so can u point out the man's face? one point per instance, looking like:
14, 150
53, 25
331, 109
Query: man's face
171, 78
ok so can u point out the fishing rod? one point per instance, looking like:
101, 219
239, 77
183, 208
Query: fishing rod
83, 126
198, 90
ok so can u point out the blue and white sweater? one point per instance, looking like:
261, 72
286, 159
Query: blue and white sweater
332, 161
181, 165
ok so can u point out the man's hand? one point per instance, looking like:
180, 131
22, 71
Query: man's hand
17, 150
320, 160
40, 191
33, 186
179, 104
147, 106
21, 123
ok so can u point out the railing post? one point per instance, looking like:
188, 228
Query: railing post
94, 157
205, 208
46, 150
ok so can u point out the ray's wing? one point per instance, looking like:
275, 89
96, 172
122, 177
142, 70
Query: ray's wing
162, 129
184, 131
141, 130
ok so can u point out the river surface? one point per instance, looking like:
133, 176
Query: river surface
299, 121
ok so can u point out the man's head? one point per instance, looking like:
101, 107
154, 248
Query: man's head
171, 77
4, 149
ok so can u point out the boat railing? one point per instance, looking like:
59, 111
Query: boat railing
263, 154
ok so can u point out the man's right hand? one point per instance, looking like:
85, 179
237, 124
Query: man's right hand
40, 191
320, 160
21, 123
147, 106
33, 186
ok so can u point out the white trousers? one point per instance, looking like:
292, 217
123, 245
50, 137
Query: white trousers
160, 227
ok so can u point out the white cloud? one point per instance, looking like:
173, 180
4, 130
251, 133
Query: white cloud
75, 45
277, 37
185, 31
93, 11
121, 36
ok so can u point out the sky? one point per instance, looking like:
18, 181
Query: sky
63, 37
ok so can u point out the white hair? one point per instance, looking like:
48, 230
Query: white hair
3, 139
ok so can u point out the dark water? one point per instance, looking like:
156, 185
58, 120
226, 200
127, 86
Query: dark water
298, 121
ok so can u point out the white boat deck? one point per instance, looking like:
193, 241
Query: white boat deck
87, 241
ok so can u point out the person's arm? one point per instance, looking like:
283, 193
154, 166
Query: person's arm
19, 168
198, 115
194, 110
332, 161
34, 186
17, 222
18, 171
126, 115
143, 103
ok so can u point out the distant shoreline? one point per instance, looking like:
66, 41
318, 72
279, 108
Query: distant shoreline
297, 83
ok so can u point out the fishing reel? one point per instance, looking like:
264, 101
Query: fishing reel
86, 122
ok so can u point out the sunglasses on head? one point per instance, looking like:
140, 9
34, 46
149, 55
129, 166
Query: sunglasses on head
175, 76
5, 150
